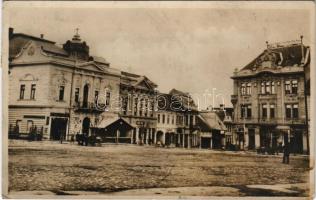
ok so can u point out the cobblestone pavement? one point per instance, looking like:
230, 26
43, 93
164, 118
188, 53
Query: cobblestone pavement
130, 169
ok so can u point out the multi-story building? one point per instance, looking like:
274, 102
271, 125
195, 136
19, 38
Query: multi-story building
55, 88
270, 98
138, 105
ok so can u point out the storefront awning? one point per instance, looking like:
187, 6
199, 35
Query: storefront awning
113, 123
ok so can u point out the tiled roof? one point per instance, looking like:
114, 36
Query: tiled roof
177, 101
19, 40
285, 56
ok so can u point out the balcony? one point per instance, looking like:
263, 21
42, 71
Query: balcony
89, 107
271, 121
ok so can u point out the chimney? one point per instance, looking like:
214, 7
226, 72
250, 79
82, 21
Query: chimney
267, 44
42, 35
302, 49
11, 30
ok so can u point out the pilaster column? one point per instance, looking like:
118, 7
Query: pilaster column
137, 135
155, 137
147, 135
257, 138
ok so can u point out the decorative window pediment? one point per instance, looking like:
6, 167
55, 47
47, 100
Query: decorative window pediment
28, 77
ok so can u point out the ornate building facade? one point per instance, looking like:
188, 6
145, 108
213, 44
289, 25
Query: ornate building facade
271, 99
54, 89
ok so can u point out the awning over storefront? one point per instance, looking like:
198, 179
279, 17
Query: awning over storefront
209, 121
113, 123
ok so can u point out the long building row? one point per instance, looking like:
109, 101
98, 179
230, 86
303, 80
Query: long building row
62, 91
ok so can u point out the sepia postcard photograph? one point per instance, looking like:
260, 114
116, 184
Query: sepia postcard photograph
158, 100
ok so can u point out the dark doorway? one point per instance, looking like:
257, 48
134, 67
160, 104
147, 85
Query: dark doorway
58, 128
216, 140
205, 143
251, 135
167, 139
85, 125
85, 96
296, 142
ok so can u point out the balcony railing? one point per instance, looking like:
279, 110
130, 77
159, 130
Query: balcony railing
89, 107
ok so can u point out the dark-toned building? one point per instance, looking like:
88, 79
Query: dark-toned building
271, 98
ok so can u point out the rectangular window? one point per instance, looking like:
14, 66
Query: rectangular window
272, 87
294, 87
242, 111
77, 95
22, 90
264, 111
243, 89
135, 106
124, 104
168, 119
96, 96
248, 91
158, 118
141, 107
287, 87
263, 90
186, 120
33, 88
272, 111
108, 98
249, 111
172, 119
288, 109
268, 89
163, 119
146, 107
295, 111
152, 108
61, 93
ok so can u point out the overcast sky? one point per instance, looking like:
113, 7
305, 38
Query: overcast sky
191, 49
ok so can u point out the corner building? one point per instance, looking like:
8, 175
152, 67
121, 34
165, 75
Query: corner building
54, 88
271, 97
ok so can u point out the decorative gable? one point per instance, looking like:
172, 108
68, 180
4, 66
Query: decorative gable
91, 66
267, 60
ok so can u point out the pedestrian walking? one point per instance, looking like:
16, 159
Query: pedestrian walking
286, 154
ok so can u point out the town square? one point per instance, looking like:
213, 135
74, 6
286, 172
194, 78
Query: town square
159, 101
127, 170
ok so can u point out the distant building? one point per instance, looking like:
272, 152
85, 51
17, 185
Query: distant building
271, 98
211, 130
176, 120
